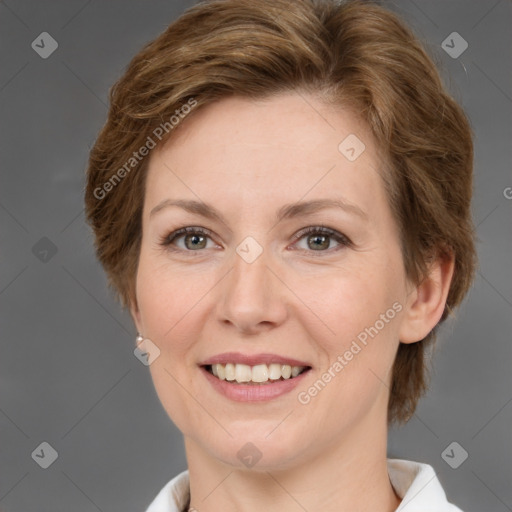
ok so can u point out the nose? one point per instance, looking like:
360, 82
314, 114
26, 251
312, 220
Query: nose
253, 297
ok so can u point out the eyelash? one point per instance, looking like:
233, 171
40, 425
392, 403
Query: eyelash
323, 230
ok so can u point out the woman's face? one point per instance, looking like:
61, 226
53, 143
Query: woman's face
255, 286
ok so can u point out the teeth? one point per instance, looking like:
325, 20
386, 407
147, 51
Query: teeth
229, 371
243, 373
259, 373
221, 371
295, 371
274, 371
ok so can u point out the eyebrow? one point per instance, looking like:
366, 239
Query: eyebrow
287, 211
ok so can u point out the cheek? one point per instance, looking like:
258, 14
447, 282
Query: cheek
360, 310
168, 303
350, 300
165, 294
362, 313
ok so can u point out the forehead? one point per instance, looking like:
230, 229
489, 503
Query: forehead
277, 150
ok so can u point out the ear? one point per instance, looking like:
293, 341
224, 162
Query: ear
426, 301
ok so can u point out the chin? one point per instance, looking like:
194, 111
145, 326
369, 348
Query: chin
254, 449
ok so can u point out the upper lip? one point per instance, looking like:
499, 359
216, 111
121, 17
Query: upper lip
252, 359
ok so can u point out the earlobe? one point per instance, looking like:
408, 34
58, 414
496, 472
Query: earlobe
427, 301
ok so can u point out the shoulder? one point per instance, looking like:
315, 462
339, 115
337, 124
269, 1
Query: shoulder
418, 486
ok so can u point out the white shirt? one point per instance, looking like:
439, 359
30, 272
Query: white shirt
415, 483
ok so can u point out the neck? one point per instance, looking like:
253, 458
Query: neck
349, 475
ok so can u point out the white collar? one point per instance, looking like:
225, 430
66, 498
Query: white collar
415, 483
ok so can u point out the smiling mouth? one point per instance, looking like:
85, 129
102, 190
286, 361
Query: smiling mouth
258, 374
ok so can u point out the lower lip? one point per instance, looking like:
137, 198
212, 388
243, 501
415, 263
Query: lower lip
253, 392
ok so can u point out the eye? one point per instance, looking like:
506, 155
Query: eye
318, 239
194, 238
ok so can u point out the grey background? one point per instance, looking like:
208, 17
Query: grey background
68, 375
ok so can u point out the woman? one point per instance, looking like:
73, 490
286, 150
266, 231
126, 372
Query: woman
281, 197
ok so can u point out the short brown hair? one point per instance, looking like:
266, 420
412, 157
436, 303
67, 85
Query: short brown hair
353, 54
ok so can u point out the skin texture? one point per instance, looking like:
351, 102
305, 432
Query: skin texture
248, 159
